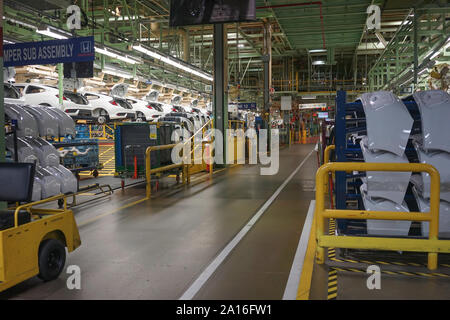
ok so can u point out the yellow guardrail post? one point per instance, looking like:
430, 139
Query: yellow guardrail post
431, 245
185, 167
148, 173
326, 159
327, 153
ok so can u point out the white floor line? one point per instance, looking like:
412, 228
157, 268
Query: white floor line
207, 273
290, 293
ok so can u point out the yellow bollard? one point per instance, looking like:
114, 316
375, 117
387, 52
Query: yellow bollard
304, 137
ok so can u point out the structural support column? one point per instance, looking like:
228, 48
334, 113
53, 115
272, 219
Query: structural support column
220, 107
267, 60
2, 105
3, 205
61, 85
416, 49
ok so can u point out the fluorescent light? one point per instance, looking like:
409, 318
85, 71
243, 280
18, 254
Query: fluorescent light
318, 63
172, 62
435, 55
20, 22
147, 52
422, 71
54, 33
317, 51
117, 72
406, 82
124, 58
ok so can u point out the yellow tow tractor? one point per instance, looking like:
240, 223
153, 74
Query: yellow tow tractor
33, 239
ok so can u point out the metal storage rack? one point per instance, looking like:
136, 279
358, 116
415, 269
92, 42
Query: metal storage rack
350, 118
79, 163
133, 139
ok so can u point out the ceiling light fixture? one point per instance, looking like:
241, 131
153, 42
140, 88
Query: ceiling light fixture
108, 52
317, 51
54, 32
172, 62
117, 72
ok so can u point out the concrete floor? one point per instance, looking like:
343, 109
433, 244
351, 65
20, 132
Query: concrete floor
156, 249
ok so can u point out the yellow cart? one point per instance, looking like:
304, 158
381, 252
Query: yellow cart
33, 239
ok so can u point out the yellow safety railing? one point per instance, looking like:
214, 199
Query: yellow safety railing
432, 245
193, 169
40, 211
149, 171
326, 159
101, 132
184, 165
327, 153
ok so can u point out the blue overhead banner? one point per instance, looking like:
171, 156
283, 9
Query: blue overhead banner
247, 106
49, 52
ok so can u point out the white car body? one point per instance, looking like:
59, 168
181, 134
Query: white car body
106, 108
12, 95
167, 108
144, 109
36, 94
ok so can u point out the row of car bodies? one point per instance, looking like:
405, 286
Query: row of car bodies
93, 106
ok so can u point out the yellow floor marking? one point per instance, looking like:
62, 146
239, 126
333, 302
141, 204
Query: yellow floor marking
304, 286
107, 150
112, 212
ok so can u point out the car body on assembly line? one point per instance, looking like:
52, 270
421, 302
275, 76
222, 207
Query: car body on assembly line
74, 104
145, 111
109, 108
12, 94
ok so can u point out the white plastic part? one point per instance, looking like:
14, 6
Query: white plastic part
119, 90
66, 125
65, 177
37, 190
44, 151
25, 151
387, 185
444, 216
47, 123
439, 160
388, 122
176, 100
152, 96
434, 107
50, 185
384, 227
26, 123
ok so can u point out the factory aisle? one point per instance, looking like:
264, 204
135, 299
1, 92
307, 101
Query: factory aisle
157, 249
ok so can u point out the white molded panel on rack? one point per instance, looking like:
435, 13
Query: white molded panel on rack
384, 227
37, 190
47, 122
444, 216
65, 177
66, 125
25, 152
439, 160
49, 184
434, 107
26, 123
44, 151
387, 185
388, 122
